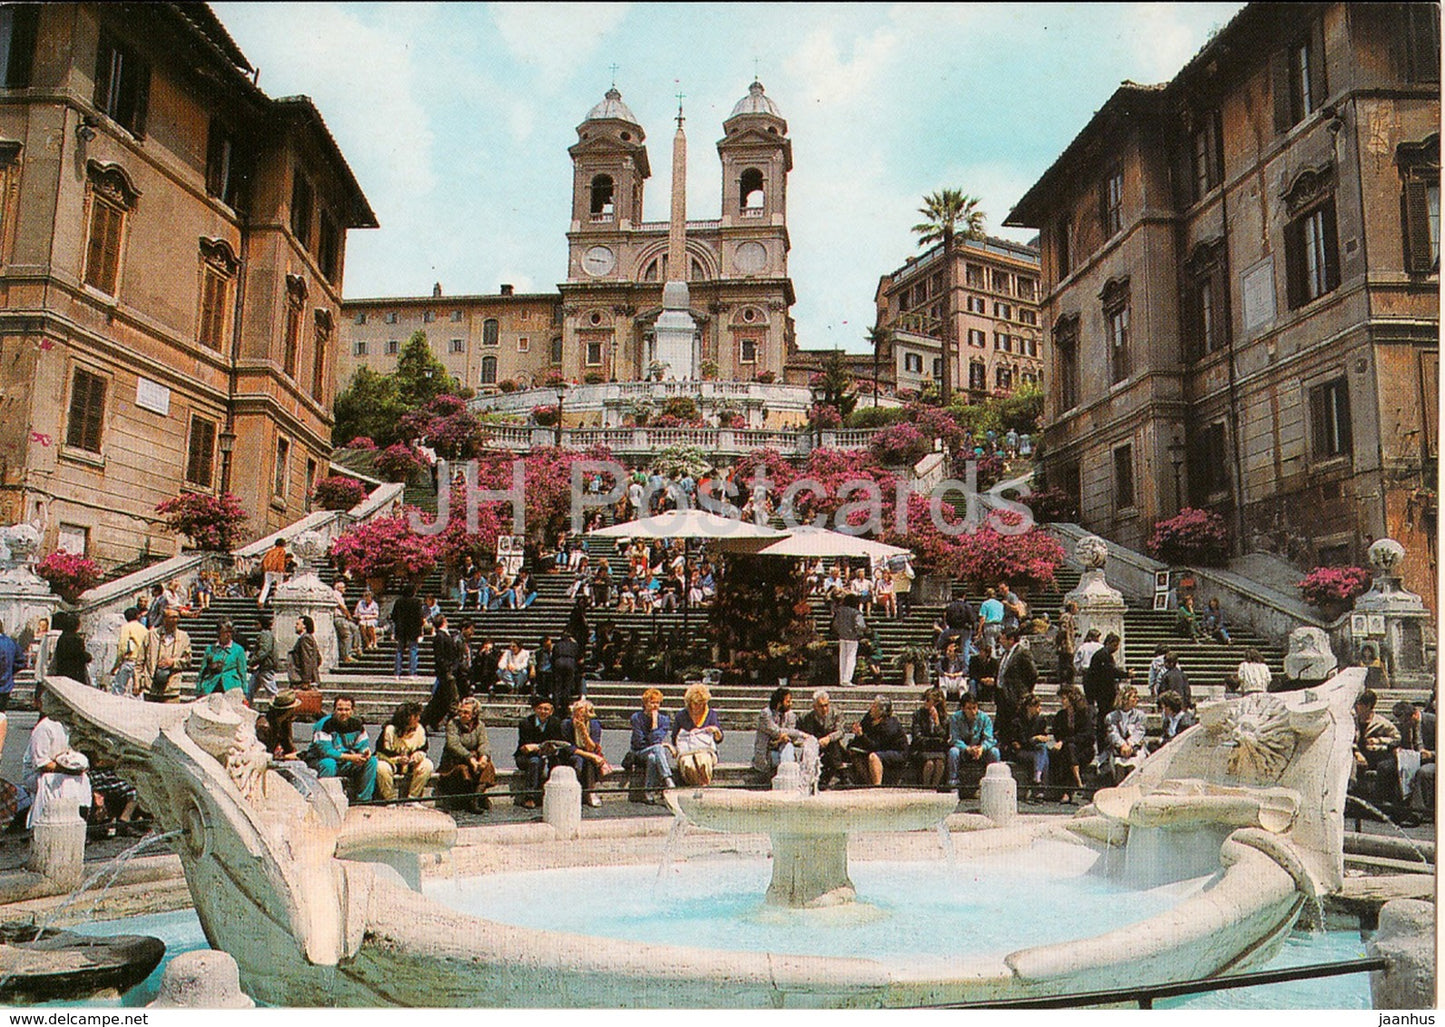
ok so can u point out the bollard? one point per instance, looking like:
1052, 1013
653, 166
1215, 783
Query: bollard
998, 794
57, 835
1406, 937
203, 979
562, 802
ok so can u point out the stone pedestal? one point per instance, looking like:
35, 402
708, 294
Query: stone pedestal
25, 597
675, 333
810, 871
203, 979
1100, 604
1401, 614
998, 794
562, 802
305, 594
57, 845
1406, 937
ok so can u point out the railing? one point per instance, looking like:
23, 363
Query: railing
1146, 995
728, 441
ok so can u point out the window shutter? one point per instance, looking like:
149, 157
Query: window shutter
110, 258
103, 66
1417, 228
1319, 422
1294, 263
215, 160
23, 31
1319, 74
1279, 74
1216, 147
1221, 330
1332, 246
142, 88
1340, 394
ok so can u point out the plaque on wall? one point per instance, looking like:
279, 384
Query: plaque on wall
1257, 286
153, 396
751, 257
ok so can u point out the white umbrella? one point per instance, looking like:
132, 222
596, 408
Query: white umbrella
688, 524
810, 541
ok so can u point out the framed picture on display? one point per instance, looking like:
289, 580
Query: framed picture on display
1161, 600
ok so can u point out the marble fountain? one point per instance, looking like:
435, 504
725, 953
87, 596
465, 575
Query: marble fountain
1218, 844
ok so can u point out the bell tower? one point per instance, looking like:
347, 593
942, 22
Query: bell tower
609, 166
756, 156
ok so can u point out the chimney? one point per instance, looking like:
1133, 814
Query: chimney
436, 291
506, 289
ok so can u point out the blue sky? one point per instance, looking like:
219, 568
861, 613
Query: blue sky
456, 119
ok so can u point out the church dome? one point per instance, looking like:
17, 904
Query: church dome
755, 103
612, 107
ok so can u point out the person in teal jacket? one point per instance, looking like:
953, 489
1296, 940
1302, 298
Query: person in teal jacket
224, 666
341, 748
970, 737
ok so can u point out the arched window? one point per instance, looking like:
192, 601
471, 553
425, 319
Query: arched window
653, 269
489, 332
602, 195
750, 192
489, 370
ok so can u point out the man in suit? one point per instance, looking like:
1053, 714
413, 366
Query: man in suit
1101, 684
539, 744
444, 692
1017, 676
406, 617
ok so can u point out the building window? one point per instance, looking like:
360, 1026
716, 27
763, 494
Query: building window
1028, 317
456, 316
1113, 201
1420, 203
122, 84
224, 177
303, 199
1422, 42
1206, 301
428, 316
292, 348
1116, 320
1000, 281
1123, 477
18, 25
491, 332
1027, 288
751, 198
976, 305
1066, 348
748, 351
524, 344
87, 411
1061, 249
321, 343
973, 274
1001, 342
556, 350
283, 458
1312, 258
937, 368
360, 317
1209, 469
200, 452
1002, 378
1003, 311
112, 197
218, 269
602, 205
913, 363
328, 249
489, 370
391, 317
1206, 154
1330, 419
977, 337
393, 347
977, 376
1299, 79
358, 348
594, 352
457, 346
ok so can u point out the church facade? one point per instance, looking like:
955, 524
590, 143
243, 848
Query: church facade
604, 329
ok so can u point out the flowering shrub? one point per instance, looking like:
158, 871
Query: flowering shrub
988, 556
361, 442
447, 427
592, 378
773, 465
727, 417
210, 522
1326, 586
824, 415
673, 421
681, 407
552, 379
338, 492
768, 377
386, 548
545, 414
1191, 536
1049, 505
988, 469
934, 423
507, 385
69, 574
398, 462
900, 444
833, 469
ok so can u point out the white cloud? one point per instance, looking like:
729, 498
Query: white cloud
555, 38
1164, 36
826, 75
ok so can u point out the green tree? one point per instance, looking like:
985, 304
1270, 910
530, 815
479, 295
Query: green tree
836, 383
370, 405
881, 340
949, 213
420, 376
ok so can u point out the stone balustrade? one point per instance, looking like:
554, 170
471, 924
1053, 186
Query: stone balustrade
642, 441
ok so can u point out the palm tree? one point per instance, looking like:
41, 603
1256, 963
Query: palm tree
949, 213
879, 338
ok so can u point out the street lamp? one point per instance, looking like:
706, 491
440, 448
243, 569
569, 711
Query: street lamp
1176, 457
561, 397
227, 440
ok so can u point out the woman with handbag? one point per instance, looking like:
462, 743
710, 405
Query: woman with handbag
695, 735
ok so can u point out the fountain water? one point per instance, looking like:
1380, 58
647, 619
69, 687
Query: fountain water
111, 871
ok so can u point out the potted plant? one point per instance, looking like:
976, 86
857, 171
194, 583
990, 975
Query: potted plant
338, 492
594, 377
210, 522
69, 574
708, 369
912, 659
1334, 589
1191, 537
384, 549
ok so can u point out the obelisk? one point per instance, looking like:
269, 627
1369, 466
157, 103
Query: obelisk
675, 331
